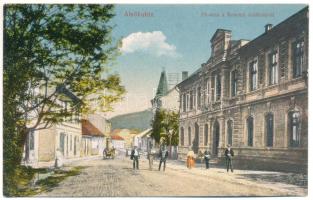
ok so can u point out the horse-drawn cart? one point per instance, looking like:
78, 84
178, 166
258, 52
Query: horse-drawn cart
109, 153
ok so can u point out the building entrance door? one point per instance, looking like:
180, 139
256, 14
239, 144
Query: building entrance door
195, 144
216, 138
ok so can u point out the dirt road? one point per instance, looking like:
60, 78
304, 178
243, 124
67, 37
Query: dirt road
116, 178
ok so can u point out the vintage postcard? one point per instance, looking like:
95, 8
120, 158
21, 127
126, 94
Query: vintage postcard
155, 100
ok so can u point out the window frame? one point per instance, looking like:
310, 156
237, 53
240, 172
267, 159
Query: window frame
218, 87
290, 129
212, 88
206, 134
31, 140
230, 130
273, 67
269, 142
251, 64
250, 135
233, 81
191, 100
189, 136
184, 102
296, 55
182, 136
199, 97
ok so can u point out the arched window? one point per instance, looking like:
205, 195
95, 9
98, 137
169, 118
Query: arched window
250, 131
206, 134
294, 129
230, 132
189, 136
269, 129
182, 136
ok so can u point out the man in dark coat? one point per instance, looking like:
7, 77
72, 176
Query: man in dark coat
207, 157
163, 157
135, 157
229, 153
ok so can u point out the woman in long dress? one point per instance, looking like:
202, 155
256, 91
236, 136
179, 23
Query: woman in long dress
190, 159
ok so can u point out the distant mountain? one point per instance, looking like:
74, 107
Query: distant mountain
138, 120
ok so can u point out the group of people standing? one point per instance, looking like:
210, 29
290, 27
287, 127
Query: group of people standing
206, 156
191, 158
163, 154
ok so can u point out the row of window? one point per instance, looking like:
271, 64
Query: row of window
192, 98
71, 143
293, 131
297, 65
63, 137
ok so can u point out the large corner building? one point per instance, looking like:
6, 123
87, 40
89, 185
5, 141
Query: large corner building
252, 95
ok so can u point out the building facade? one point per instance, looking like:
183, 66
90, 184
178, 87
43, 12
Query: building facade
165, 97
94, 140
118, 143
143, 141
252, 95
41, 145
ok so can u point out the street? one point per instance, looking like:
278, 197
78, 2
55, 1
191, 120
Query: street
116, 177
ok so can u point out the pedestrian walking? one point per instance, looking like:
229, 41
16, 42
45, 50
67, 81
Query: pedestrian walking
135, 157
229, 153
58, 158
190, 159
104, 153
207, 157
201, 157
151, 158
163, 157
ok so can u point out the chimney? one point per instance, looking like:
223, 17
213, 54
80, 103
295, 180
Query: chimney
184, 75
268, 27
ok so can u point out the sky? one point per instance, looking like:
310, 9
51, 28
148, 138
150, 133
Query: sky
177, 38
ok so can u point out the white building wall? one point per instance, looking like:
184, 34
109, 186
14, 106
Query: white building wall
33, 153
118, 144
98, 144
69, 130
171, 100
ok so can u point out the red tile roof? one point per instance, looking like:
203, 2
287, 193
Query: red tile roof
116, 137
89, 129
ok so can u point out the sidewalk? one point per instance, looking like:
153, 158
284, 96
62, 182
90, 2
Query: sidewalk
65, 161
269, 177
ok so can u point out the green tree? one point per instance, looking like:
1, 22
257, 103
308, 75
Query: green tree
165, 127
170, 124
157, 126
47, 47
